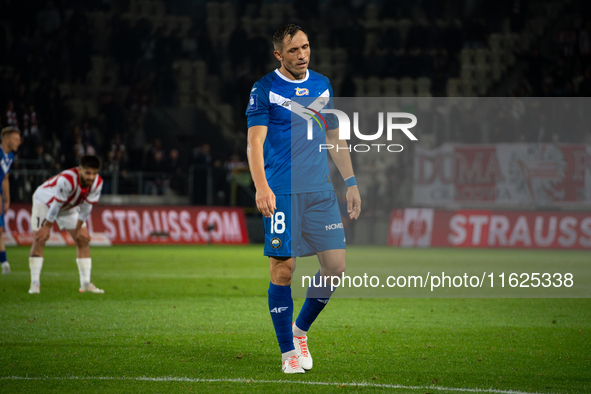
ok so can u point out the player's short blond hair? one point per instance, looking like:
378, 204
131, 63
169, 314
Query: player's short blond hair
9, 130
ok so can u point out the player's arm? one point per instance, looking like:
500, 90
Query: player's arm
6, 193
62, 190
85, 209
81, 232
44, 231
265, 198
342, 159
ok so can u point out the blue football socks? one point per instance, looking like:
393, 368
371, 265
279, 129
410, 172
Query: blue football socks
281, 308
316, 300
3, 257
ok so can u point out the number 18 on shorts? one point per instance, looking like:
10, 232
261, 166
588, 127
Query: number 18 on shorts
303, 225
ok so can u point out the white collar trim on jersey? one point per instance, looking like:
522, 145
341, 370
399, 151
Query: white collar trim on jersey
292, 81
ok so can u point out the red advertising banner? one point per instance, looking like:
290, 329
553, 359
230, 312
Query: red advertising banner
490, 229
503, 174
146, 224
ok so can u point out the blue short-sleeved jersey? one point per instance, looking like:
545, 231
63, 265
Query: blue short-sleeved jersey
293, 164
6, 160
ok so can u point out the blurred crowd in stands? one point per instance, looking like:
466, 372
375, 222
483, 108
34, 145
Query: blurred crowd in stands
564, 70
48, 45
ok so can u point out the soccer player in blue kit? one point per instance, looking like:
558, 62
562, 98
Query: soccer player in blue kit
11, 139
294, 191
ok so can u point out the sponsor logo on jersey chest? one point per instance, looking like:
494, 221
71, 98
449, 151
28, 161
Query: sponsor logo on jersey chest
302, 92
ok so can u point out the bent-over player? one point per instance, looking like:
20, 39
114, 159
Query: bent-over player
68, 199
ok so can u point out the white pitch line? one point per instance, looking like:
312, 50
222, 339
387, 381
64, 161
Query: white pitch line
200, 380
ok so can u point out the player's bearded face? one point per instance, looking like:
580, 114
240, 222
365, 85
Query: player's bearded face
87, 176
296, 54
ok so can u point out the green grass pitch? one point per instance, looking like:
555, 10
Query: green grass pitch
195, 319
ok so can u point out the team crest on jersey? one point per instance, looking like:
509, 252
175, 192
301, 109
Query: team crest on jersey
275, 243
302, 92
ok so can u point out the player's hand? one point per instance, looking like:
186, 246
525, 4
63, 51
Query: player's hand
265, 199
353, 202
6, 206
82, 235
42, 234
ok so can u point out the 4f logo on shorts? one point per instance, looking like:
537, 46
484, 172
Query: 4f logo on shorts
279, 310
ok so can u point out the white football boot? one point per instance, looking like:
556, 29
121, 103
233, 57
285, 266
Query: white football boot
91, 288
292, 365
5, 268
304, 356
35, 288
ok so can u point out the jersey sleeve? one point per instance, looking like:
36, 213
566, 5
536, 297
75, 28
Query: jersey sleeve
63, 188
331, 120
95, 193
257, 111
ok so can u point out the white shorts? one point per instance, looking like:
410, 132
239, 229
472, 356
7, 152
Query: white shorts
66, 219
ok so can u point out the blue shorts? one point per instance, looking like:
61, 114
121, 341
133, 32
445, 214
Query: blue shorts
303, 225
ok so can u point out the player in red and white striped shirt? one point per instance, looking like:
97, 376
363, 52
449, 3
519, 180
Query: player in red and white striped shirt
68, 199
